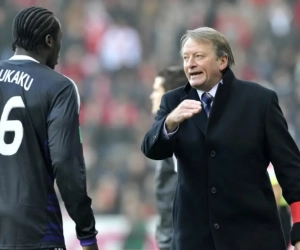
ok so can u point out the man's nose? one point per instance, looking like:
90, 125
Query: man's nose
191, 63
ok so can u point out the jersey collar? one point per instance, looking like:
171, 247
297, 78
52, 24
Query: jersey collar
23, 57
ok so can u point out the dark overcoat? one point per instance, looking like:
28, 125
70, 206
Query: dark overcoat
224, 199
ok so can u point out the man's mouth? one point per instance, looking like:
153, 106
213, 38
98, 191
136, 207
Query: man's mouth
195, 74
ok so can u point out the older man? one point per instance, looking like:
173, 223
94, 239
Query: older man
224, 133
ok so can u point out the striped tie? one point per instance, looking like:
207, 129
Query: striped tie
207, 98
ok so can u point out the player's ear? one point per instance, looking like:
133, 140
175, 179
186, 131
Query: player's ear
49, 41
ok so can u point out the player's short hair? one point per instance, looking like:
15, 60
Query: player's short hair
31, 26
174, 77
218, 40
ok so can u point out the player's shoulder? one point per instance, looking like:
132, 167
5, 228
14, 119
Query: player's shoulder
66, 81
71, 82
57, 80
62, 85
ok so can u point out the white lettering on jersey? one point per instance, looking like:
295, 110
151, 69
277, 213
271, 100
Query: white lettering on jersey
11, 76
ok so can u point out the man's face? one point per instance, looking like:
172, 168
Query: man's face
157, 93
201, 66
54, 49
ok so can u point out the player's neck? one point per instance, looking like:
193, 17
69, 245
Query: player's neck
34, 55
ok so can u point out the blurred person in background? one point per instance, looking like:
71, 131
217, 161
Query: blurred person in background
40, 142
165, 177
224, 133
283, 206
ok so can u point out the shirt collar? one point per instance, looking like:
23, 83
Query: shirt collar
213, 91
23, 57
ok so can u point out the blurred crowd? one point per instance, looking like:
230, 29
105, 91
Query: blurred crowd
112, 49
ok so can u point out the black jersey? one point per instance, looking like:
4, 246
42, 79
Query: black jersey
40, 142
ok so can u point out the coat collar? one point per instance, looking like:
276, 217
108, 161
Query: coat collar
219, 105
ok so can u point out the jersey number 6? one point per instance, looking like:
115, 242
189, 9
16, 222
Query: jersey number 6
11, 125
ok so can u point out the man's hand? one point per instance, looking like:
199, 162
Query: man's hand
92, 247
185, 110
297, 246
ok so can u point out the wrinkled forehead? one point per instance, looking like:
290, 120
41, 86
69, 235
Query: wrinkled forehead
196, 45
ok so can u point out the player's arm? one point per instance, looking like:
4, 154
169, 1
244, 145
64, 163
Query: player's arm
68, 162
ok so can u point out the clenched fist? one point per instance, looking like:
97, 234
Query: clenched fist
185, 110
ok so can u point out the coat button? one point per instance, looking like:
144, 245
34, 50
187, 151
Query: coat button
216, 226
213, 190
213, 153
154, 137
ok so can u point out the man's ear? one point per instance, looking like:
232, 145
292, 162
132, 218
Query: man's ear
49, 41
223, 62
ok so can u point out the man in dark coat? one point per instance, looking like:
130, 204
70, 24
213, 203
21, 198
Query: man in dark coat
224, 133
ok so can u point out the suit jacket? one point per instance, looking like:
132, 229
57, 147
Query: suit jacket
224, 199
165, 185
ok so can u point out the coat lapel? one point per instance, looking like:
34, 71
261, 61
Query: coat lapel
221, 98
199, 119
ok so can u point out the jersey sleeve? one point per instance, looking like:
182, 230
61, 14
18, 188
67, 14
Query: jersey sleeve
68, 162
